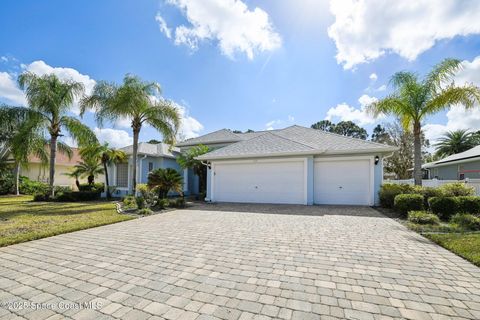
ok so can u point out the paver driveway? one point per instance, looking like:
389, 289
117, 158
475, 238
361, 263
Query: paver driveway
280, 262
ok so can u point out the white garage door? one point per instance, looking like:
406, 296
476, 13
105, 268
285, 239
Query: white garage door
342, 181
260, 182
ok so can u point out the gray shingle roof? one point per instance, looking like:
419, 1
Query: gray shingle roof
150, 149
470, 153
223, 135
295, 140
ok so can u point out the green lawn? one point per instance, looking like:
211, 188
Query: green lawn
21, 219
466, 245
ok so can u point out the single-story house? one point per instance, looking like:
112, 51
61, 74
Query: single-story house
63, 164
458, 166
295, 165
149, 157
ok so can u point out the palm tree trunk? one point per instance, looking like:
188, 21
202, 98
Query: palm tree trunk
136, 132
53, 155
107, 191
417, 154
17, 179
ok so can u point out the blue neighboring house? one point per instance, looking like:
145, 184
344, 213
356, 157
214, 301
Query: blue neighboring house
460, 166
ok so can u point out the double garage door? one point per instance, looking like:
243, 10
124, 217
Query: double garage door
335, 181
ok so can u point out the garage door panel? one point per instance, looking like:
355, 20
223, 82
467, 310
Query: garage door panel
342, 182
261, 182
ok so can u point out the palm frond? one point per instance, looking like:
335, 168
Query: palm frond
65, 149
467, 95
442, 73
79, 132
164, 117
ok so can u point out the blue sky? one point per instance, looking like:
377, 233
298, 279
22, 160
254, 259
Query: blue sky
243, 64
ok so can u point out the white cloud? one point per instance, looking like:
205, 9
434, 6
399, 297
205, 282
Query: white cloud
373, 77
344, 112
115, 138
457, 117
279, 123
9, 90
230, 22
4, 59
382, 88
163, 26
190, 127
367, 29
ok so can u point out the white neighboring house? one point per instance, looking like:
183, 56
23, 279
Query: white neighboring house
295, 165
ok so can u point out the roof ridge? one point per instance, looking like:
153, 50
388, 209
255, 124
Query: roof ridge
297, 142
346, 137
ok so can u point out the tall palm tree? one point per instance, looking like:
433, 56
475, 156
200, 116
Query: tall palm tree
89, 168
454, 142
107, 156
414, 99
135, 100
51, 99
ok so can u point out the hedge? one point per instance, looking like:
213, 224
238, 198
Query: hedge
403, 203
444, 207
423, 217
389, 191
466, 221
469, 204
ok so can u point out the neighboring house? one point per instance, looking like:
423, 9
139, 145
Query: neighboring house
458, 166
39, 172
295, 165
150, 157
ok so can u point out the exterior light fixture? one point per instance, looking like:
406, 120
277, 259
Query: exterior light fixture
377, 159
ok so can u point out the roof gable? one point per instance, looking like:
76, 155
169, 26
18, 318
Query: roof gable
219, 136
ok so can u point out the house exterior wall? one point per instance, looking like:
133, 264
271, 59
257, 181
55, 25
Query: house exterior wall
37, 172
452, 171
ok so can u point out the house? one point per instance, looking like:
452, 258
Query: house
458, 166
295, 165
63, 164
149, 157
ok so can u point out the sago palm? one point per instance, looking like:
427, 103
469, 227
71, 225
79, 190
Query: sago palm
106, 156
90, 168
454, 142
165, 180
416, 98
135, 100
52, 99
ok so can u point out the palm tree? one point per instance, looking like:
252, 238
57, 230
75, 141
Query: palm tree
135, 100
107, 156
90, 168
75, 174
414, 99
165, 180
454, 142
187, 160
21, 138
51, 99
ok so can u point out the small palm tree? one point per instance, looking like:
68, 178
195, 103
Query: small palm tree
89, 168
165, 180
106, 156
51, 99
75, 174
454, 142
415, 99
188, 160
134, 99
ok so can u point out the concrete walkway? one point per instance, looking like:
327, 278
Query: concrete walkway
288, 262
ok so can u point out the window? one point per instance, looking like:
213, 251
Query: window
150, 166
122, 175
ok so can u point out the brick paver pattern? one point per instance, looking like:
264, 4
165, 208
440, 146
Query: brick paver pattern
282, 262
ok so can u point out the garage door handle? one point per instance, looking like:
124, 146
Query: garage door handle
340, 187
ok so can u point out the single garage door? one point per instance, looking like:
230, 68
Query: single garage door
259, 182
342, 181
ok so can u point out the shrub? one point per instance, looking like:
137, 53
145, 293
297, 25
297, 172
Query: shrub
145, 211
444, 207
140, 201
130, 202
149, 196
389, 191
423, 217
457, 189
469, 204
466, 221
177, 203
74, 196
163, 203
28, 186
7, 181
403, 203
96, 187
41, 197
429, 192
